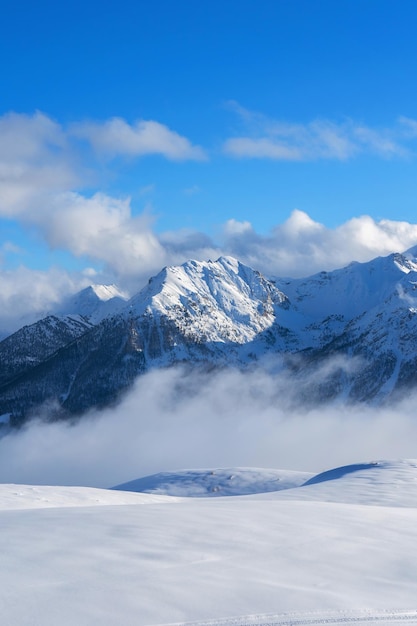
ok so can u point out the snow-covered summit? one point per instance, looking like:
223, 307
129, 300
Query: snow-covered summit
214, 301
354, 289
36, 342
94, 303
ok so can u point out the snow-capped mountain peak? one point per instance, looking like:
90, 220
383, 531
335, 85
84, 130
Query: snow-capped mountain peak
94, 302
354, 289
216, 301
106, 292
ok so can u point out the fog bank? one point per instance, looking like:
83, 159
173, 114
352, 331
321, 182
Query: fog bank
172, 420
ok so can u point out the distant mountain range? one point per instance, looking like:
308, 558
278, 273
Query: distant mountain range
348, 334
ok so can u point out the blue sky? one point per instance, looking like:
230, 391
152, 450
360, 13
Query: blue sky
133, 134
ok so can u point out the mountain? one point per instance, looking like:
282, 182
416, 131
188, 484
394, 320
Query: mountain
374, 305
34, 343
199, 312
350, 333
92, 303
31, 345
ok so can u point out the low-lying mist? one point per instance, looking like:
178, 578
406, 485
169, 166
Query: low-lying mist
172, 419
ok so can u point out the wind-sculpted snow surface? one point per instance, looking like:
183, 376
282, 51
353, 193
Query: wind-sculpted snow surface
387, 483
17, 497
313, 554
349, 335
216, 483
340, 472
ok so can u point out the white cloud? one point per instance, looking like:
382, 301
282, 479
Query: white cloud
29, 137
38, 173
382, 143
41, 175
298, 225
102, 228
35, 161
233, 227
116, 137
39, 158
318, 139
300, 246
261, 148
171, 421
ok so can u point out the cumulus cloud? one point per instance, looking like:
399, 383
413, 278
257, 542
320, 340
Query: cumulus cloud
234, 228
35, 160
40, 158
171, 421
29, 136
43, 170
300, 246
116, 137
102, 228
183, 244
265, 138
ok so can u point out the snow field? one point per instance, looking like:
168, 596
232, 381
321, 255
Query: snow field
295, 556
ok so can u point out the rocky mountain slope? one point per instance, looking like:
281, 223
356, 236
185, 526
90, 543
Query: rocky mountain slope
349, 334
34, 343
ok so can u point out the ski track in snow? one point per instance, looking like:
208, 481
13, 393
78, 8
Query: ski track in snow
308, 619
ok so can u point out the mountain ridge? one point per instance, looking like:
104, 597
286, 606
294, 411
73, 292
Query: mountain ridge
362, 318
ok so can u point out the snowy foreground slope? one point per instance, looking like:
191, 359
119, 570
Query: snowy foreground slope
340, 549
